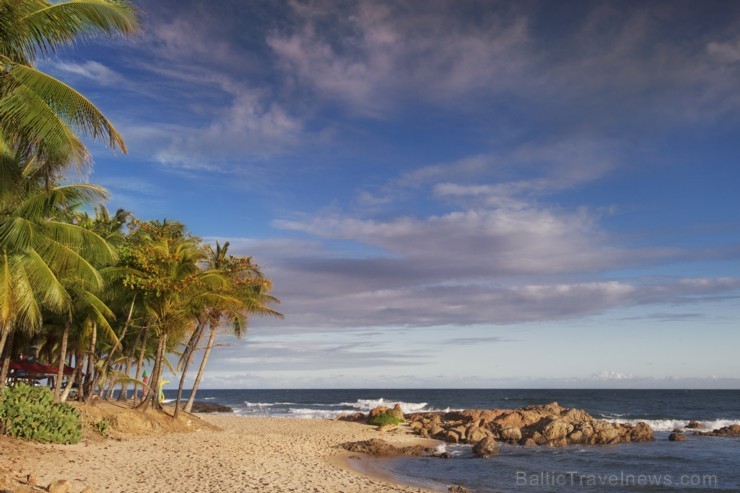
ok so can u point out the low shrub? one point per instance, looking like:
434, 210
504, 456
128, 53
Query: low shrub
30, 413
384, 419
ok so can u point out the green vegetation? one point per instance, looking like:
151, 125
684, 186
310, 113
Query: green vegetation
99, 296
30, 413
384, 419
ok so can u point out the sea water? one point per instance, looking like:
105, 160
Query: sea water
698, 464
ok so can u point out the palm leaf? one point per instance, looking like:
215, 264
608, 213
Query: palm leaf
71, 106
52, 25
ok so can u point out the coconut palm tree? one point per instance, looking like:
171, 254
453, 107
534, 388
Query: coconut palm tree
39, 249
39, 114
249, 287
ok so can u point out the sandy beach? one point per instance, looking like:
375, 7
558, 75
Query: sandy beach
248, 454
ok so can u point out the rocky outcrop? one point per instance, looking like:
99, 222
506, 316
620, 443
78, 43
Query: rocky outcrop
549, 425
725, 431
355, 417
380, 448
210, 407
695, 425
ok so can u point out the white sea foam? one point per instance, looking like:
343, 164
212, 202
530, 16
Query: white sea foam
368, 404
672, 424
260, 404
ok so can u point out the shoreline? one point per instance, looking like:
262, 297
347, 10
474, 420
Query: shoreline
247, 454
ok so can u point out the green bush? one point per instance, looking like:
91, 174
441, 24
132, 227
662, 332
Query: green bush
384, 419
30, 413
104, 425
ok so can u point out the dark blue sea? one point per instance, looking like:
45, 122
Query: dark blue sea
699, 464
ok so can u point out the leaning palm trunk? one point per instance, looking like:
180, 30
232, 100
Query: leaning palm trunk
62, 359
140, 363
123, 395
8, 356
189, 351
70, 381
209, 346
152, 395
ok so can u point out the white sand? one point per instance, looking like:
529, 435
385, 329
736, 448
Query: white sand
249, 455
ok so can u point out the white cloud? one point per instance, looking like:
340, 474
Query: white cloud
92, 70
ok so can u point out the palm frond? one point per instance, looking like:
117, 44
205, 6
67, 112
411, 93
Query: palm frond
71, 106
62, 23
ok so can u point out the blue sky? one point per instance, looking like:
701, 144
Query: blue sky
476, 194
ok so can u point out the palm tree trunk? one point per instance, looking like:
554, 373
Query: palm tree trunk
70, 381
81, 359
152, 394
190, 350
123, 395
140, 362
211, 339
7, 357
91, 378
62, 359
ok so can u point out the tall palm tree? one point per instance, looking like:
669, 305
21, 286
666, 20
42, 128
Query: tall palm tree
39, 114
38, 249
249, 287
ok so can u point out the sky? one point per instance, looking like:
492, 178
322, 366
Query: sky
446, 194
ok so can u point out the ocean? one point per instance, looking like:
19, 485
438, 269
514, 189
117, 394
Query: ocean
698, 464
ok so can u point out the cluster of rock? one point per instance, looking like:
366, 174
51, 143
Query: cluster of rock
210, 407
550, 425
725, 431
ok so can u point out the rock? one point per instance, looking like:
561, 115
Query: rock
416, 425
353, 418
695, 425
87, 489
641, 432
486, 447
474, 434
576, 437
725, 431
511, 434
210, 407
31, 480
527, 442
397, 412
677, 437
436, 431
59, 486
557, 429
443, 455
23, 489
452, 436
380, 448
377, 411
456, 488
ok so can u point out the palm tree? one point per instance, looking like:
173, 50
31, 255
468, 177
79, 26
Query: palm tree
249, 287
39, 114
38, 249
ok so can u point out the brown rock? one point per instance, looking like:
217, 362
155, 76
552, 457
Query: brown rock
436, 431
641, 432
695, 425
511, 434
677, 437
576, 437
486, 447
474, 434
87, 489
527, 442
381, 448
397, 412
456, 488
725, 431
377, 411
452, 436
59, 486
31, 480
557, 429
